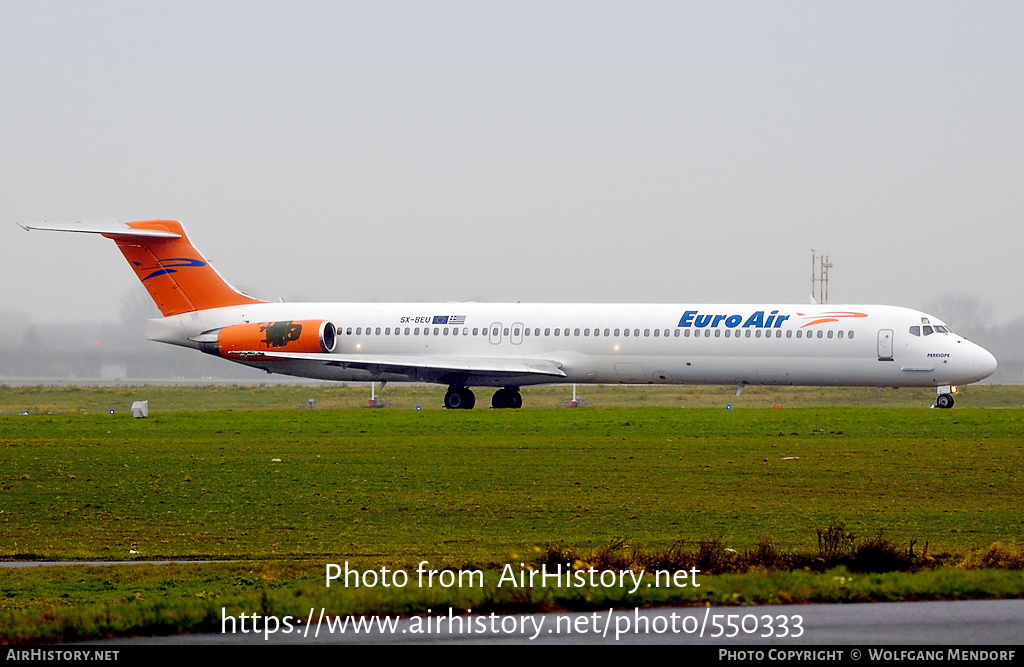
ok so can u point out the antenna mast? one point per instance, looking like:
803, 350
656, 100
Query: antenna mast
819, 276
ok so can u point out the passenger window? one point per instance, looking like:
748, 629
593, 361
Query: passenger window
851, 334
636, 332
757, 334
647, 333
829, 333
789, 333
526, 331
676, 333
387, 332
657, 332
839, 334
625, 332
576, 332
820, 333
376, 331
586, 332
718, 333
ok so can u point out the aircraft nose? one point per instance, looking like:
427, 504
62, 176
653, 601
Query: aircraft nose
984, 363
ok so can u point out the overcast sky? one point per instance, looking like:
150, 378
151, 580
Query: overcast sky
530, 151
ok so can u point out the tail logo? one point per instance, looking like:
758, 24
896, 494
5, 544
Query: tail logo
166, 266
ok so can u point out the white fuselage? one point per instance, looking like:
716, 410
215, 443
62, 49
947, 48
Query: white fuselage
736, 344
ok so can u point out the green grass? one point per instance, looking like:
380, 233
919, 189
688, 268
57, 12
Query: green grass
36, 400
476, 486
288, 490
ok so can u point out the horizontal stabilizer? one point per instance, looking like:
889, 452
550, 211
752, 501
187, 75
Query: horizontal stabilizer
105, 227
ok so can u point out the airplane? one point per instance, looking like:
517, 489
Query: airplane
511, 345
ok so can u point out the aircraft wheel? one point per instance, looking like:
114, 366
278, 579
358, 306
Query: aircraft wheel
459, 398
500, 400
507, 398
944, 401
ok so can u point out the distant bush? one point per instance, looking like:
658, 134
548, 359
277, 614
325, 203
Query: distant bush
836, 547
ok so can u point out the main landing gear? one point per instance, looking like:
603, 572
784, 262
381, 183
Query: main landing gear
509, 397
462, 398
459, 398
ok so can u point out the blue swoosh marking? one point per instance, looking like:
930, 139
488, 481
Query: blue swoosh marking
164, 267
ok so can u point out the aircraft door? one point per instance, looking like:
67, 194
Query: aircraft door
885, 344
494, 333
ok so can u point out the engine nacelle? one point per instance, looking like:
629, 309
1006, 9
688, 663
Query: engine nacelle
309, 336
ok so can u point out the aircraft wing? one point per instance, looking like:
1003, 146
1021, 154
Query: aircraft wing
418, 366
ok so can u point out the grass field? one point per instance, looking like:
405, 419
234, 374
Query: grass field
244, 474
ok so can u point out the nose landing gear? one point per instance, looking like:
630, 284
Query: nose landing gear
945, 399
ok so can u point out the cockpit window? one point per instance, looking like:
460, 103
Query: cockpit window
939, 329
915, 330
928, 331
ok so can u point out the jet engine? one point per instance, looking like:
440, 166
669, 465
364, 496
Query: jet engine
308, 336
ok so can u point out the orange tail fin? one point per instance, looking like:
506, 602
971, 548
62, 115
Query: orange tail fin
178, 277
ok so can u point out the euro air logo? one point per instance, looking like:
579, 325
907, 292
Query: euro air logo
757, 320
165, 266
